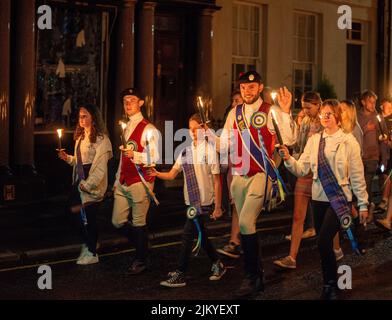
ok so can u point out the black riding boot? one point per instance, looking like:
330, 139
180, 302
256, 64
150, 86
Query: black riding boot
254, 272
330, 291
141, 246
127, 231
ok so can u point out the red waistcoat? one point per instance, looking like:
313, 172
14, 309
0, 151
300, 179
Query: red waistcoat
129, 174
269, 141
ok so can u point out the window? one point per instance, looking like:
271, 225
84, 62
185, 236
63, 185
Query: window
355, 33
305, 53
246, 39
70, 66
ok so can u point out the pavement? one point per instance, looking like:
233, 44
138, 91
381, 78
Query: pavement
109, 280
44, 231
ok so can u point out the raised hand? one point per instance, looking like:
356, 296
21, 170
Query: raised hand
285, 99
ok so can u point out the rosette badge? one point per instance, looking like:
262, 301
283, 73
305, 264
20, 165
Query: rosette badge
191, 213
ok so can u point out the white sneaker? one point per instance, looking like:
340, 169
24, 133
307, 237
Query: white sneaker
88, 258
83, 251
338, 254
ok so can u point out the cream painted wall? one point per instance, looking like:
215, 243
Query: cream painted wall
279, 44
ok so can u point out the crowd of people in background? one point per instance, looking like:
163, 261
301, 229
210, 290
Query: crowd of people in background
329, 155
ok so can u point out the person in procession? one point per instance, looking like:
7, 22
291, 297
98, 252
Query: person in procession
249, 135
133, 188
334, 158
202, 192
93, 150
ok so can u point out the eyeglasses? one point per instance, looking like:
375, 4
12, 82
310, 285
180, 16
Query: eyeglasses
326, 115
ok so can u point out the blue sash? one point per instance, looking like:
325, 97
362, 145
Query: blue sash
80, 172
335, 195
195, 209
258, 152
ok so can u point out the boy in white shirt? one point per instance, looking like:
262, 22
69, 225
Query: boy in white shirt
202, 188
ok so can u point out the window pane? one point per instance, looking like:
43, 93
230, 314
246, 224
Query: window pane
246, 39
235, 42
311, 26
302, 50
239, 68
355, 35
357, 26
235, 16
252, 67
255, 45
308, 78
302, 25
295, 49
255, 19
298, 78
244, 17
245, 46
311, 51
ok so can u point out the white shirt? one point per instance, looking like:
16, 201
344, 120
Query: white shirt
286, 124
204, 171
343, 155
141, 157
88, 150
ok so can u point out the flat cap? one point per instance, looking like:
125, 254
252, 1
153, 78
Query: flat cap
249, 77
131, 92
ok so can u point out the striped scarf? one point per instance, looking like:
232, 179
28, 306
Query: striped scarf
335, 195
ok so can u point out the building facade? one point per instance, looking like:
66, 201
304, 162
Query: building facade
174, 51
298, 43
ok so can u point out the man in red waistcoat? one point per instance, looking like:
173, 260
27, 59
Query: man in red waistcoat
245, 127
130, 191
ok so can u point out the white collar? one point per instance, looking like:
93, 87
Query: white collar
135, 118
337, 134
255, 105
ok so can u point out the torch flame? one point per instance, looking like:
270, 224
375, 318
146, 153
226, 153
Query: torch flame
59, 132
378, 118
273, 95
123, 125
200, 101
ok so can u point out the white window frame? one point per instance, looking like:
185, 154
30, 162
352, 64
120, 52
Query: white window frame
243, 59
298, 64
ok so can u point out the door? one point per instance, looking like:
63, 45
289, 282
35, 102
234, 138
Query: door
169, 69
354, 63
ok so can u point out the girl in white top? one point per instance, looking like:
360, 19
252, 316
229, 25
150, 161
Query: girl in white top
343, 155
90, 186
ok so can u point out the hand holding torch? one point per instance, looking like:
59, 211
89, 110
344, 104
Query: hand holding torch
382, 136
123, 126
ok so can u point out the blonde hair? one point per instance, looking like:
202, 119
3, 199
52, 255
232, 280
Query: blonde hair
349, 123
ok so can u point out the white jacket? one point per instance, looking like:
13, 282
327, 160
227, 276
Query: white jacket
346, 165
97, 181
